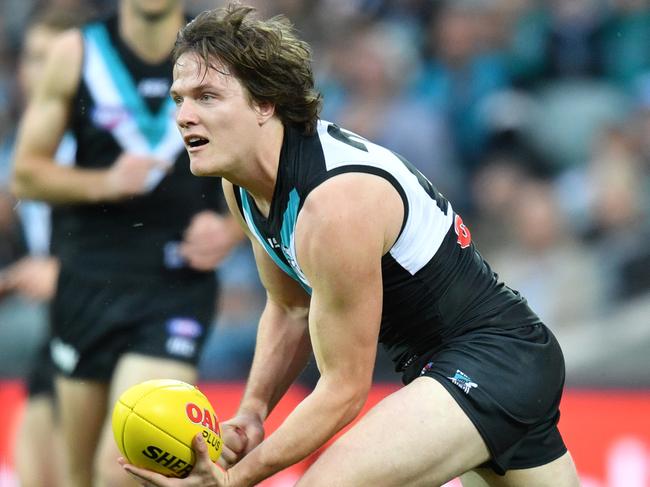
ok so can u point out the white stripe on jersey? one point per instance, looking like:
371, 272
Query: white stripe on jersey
426, 225
111, 113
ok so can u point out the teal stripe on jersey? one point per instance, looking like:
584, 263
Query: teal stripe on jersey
286, 232
289, 218
153, 127
269, 250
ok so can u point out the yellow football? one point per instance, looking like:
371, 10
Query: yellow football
154, 423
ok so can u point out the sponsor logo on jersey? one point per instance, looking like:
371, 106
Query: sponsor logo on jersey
154, 88
108, 117
463, 381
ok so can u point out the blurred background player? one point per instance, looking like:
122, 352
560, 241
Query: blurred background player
137, 235
38, 448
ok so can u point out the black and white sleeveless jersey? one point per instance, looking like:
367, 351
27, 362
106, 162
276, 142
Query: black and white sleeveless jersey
122, 104
436, 284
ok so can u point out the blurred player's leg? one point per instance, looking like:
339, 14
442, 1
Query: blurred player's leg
417, 436
132, 369
39, 452
39, 444
82, 410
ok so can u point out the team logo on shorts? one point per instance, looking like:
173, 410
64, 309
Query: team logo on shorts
426, 368
463, 381
183, 333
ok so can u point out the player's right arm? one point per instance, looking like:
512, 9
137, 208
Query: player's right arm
36, 174
282, 348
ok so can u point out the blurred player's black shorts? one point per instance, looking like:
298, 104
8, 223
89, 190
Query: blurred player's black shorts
96, 321
40, 378
509, 383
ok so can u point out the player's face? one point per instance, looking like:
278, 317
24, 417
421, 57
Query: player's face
217, 120
153, 9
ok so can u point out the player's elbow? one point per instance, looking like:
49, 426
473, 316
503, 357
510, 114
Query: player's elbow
29, 176
350, 395
22, 181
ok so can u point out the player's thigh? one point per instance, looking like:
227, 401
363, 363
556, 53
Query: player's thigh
82, 409
558, 473
131, 370
417, 436
38, 445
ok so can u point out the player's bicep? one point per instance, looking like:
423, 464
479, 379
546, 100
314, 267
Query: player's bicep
47, 113
340, 251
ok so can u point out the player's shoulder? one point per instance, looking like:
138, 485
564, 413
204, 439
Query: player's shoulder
64, 61
342, 147
69, 42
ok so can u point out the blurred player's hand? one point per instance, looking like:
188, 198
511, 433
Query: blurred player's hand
204, 474
33, 277
208, 239
240, 435
130, 175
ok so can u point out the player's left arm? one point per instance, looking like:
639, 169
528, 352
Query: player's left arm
341, 238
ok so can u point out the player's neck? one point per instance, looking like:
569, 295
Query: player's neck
151, 39
259, 178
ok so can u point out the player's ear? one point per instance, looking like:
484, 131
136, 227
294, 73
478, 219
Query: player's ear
265, 110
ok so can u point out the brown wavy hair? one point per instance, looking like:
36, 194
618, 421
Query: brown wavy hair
266, 56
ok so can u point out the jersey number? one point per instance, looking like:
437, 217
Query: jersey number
356, 141
346, 137
464, 235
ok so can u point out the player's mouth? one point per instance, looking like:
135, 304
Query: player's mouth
195, 142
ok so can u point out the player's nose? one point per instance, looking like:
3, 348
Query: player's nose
186, 114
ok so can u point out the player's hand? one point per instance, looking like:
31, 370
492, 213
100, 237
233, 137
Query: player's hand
240, 435
130, 175
34, 277
208, 239
204, 474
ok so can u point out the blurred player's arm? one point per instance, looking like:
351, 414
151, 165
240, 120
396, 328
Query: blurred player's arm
340, 249
209, 238
36, 174
33, 276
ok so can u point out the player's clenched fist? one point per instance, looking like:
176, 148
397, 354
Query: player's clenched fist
131, 174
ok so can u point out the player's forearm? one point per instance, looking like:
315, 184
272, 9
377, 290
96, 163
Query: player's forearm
281, 353
331, 406
42, 179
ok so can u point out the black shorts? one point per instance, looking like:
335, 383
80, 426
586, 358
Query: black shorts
509, 383
40, 379
95, 321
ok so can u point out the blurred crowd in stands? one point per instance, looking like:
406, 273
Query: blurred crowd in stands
531, 116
